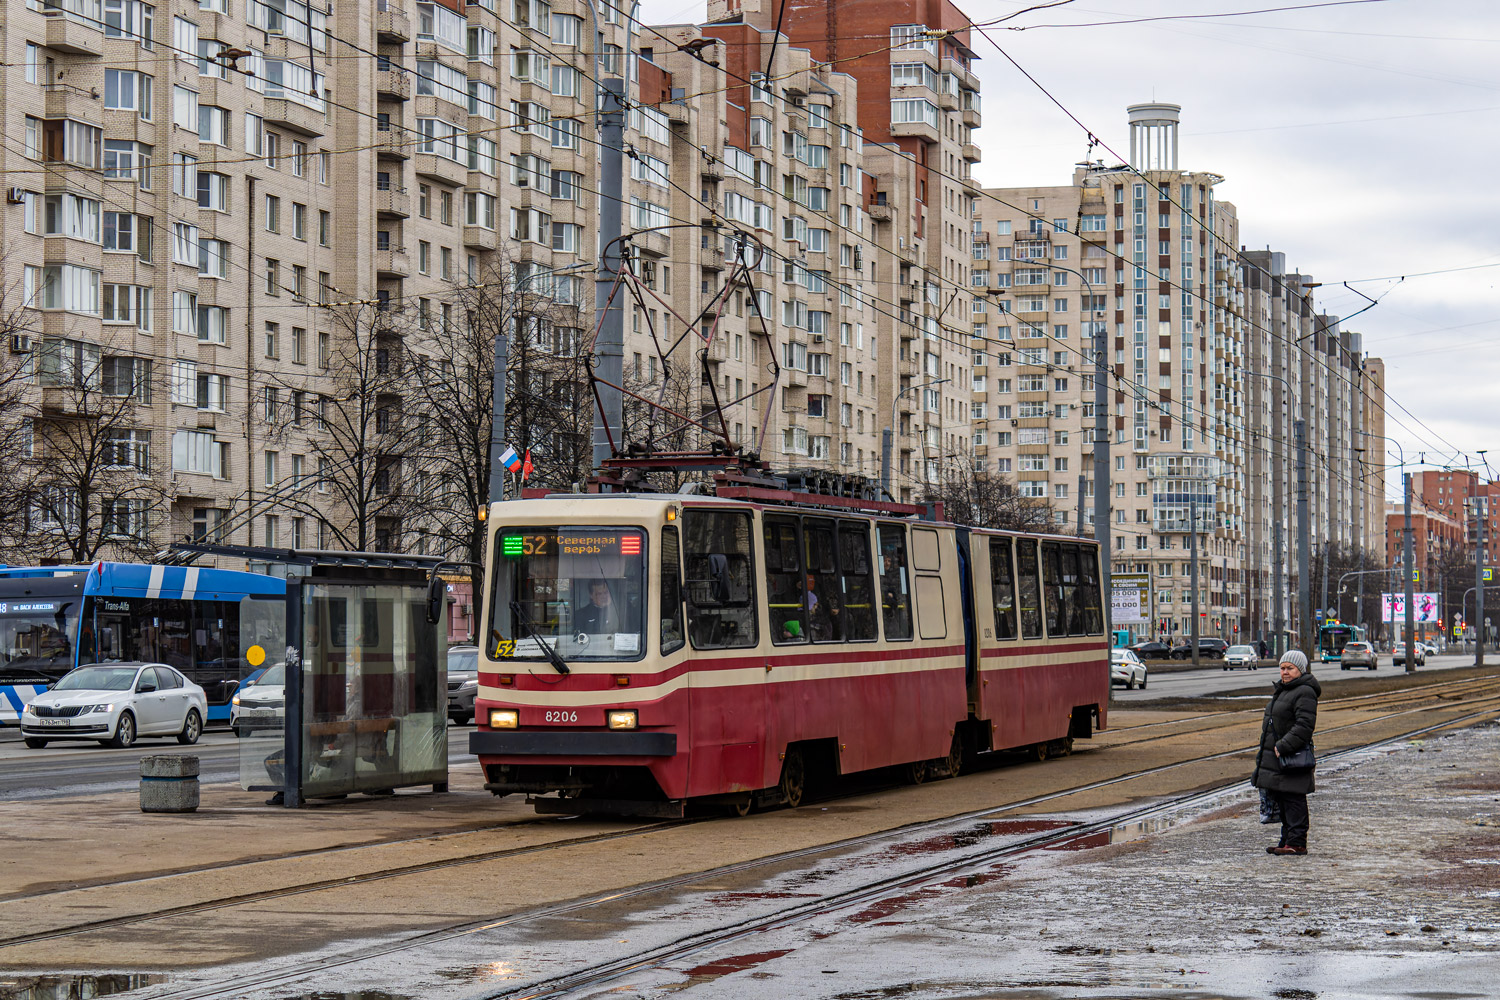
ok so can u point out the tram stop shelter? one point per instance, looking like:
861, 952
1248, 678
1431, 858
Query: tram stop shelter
343, 682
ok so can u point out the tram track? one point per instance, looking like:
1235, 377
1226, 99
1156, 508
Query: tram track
483, 857
608, 972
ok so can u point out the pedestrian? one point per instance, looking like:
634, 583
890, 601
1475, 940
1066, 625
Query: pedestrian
1285, 734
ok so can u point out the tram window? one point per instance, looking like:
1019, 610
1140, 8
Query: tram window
671, 592
895, 591
859, 600
925, 555
718, 580
1071, 584
1003, 588
1088, 590
1053, 590
785, 582
1029, 591
824, 600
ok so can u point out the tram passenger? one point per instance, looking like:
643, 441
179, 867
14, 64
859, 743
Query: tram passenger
598, 617
820, 612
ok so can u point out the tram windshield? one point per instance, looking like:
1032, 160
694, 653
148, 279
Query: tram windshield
579, 591
38, 634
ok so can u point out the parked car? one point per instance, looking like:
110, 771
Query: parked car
1419, 654
1242, 656
463, 682
1152, 650
1208, 649
1126, 668
1428, 648
1358, 654
115, 703
260, 703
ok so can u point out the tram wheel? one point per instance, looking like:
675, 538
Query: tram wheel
916, 772
741, 807
1039, 751
953, 764
793, 778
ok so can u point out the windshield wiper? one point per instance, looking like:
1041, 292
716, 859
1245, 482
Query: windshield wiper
526, 623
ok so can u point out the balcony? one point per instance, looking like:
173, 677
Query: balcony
392, 202
64, 100
652, 243
971, 152
880, 213
392, 85
948, 102
481, 238
678, 112
915, 130
441, 169
971, 117
392, 24
392, 262
394, 144
76, 37
295, 116
712, 259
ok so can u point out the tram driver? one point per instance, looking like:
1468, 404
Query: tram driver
599, 615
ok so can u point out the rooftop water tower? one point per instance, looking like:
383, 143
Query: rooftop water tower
1153, 136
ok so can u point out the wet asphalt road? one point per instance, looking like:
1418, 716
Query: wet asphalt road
1213, 678
82, 768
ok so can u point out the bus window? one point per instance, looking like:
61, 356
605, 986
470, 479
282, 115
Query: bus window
718, 580
1029, 585
824, 611
1053, 590
1003, 588
895, 593
784, 581
671, 592
859, 592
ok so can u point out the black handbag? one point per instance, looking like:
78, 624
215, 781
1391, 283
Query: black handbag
1302, 760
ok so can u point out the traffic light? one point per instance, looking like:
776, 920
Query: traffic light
1440, 624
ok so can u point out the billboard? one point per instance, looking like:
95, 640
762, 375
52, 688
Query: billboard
1424, 607
1130, 598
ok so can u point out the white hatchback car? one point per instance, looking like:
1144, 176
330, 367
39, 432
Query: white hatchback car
1126, 668
114, 703
260, 705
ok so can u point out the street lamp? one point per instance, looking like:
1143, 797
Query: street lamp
1406, 546
887, 435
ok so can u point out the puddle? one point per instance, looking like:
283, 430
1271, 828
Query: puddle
977, 834
727, 966
352, 995
74, 987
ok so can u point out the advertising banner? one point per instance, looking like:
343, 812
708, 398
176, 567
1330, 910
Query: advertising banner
1130, 598
1393, 607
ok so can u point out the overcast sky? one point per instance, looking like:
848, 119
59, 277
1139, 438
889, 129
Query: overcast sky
1359, 139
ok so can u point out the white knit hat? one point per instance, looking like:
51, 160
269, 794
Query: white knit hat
1296, 658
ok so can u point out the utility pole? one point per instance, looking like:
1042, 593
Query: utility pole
885, 461
1083, 483
609, 348
1304, 581
1327, 553
497, 419
1101, 470
1193, 571
1481, 511
1279, 589
1411, 625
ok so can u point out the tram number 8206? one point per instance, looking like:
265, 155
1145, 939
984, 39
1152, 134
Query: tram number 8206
561, 716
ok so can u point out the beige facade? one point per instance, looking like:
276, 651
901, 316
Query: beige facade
228, 200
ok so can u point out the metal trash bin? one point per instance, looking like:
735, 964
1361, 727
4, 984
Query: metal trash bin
169, 783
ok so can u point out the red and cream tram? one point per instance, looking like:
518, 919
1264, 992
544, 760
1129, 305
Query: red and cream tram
647, 651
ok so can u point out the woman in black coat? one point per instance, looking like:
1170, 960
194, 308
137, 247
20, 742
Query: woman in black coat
1290, 720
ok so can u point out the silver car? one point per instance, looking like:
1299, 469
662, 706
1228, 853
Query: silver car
463, 682
1241, 656
115, 703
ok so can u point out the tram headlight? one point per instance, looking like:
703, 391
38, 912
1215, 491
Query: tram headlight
623, 719
504, 718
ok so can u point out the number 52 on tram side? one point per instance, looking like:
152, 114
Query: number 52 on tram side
644, 652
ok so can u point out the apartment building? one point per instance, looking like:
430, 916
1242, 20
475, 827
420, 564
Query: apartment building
1142, 254
239, 229
916, 103
1311, 372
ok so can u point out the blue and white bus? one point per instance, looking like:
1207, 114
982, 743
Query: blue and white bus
53, 618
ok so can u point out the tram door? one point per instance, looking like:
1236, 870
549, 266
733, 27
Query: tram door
966, 598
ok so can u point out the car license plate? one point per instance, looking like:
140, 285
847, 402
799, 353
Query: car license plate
53, 722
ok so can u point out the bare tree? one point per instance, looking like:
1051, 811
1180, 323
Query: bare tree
17, 430
983, 499
360, 432
88, 473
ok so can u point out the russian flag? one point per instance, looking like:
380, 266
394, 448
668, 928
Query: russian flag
510, 460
